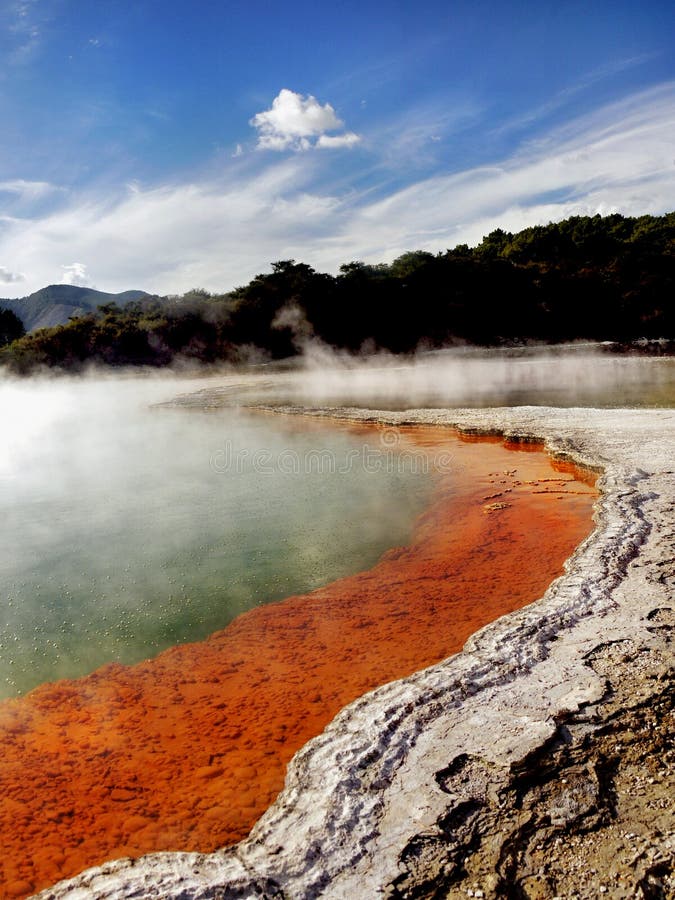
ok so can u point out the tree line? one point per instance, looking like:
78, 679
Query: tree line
598, 278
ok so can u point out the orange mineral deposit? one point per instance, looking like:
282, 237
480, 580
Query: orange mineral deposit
185, 751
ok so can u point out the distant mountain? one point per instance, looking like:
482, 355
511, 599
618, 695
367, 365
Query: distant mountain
55, 304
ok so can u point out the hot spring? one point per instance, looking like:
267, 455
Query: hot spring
132, 529
126, 529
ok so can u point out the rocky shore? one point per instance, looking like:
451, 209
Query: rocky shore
537, 763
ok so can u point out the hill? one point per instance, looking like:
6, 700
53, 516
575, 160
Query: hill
57, 303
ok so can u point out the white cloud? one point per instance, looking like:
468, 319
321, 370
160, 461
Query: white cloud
619, 158
27, 189
169, 239
218, 233
7, 277
75, 273
294, 120
332, 141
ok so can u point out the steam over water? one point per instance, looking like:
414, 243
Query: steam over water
573, 375
126, 529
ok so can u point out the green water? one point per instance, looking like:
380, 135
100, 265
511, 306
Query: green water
126, 529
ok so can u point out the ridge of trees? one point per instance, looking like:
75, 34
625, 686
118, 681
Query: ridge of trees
597, 278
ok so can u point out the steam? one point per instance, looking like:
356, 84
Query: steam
291, 316
123, 532
579, 373
121, 536
570, 375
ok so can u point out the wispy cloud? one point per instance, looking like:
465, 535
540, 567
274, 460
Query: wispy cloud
23, 24
619, 158
171, 238
7, 277
219, 232
295, 122
27, 189
564, 96
416, 136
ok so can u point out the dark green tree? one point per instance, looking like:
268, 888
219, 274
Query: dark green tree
11, 327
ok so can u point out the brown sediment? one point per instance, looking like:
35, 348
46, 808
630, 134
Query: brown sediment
184, 752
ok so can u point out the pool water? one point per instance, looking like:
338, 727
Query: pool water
126, 529
186, 750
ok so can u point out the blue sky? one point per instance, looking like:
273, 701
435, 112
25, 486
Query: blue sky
169, 145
